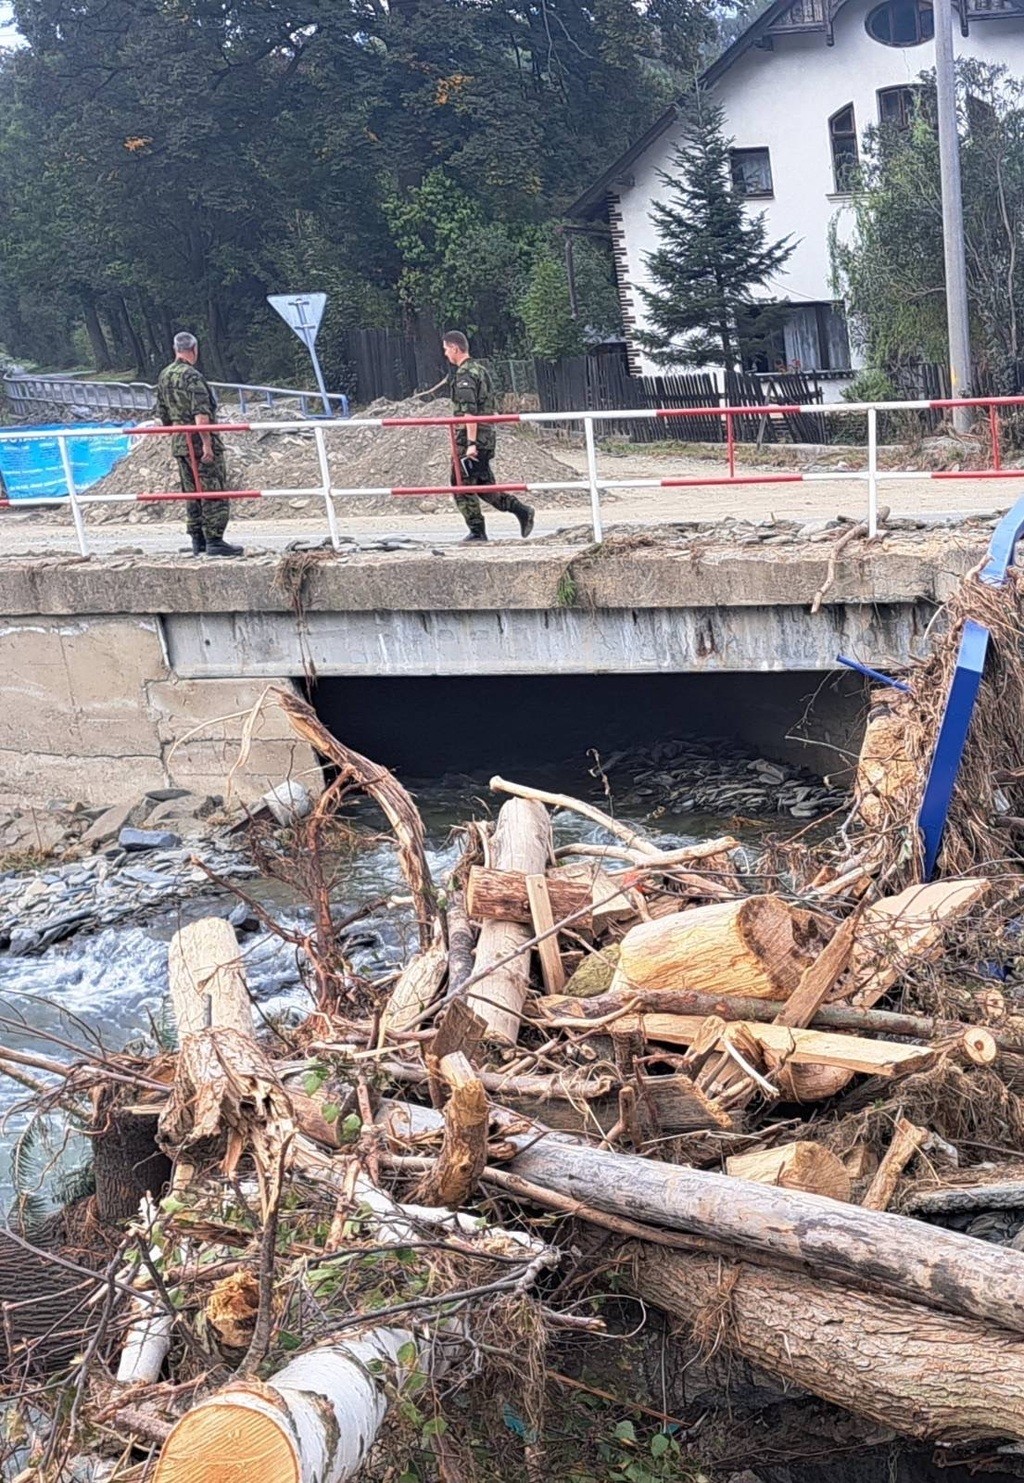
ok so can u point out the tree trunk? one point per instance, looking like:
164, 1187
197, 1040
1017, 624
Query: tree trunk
746, 946
127, 1163
886, 1253
924, 1374
521, 841
97, 339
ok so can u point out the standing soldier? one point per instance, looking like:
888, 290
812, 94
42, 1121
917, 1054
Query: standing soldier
184, 395
472, 394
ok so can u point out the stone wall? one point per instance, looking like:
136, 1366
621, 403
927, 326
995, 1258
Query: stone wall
91, 713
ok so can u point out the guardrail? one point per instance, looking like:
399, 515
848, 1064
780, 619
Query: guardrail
138, 396
872, 476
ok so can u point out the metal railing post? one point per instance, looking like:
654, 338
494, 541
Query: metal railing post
595, 491
872, 472
730, 444
325, 478
76, 510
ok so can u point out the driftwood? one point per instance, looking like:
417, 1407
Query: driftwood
907, 1140
464, 1151
418, 985
569, 1011
955, 1199
948, 1272
521, 841
921, 1373
386, 791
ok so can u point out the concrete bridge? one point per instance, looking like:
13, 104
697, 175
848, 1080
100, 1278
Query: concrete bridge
127, 674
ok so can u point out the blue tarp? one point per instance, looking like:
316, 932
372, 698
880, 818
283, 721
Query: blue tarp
32, 466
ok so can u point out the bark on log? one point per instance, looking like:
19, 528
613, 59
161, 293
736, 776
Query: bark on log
461, 940
885, 1253
956, 1199
746, 946
924, 1374
204, 965
521, 841
804, 1166
502, 895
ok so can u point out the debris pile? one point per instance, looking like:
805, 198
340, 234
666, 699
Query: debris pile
359, 458
782, 1106
683, 777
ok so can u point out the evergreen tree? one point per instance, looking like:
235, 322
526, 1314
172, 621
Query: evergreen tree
713, 256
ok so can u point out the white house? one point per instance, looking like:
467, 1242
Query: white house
798, 88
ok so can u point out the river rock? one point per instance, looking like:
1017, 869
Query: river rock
109, 825
189, 808
148, 839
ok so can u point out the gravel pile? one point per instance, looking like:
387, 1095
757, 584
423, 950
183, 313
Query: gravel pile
358, 458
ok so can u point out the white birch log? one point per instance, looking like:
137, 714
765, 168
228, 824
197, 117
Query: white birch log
145, 1347
314, 1424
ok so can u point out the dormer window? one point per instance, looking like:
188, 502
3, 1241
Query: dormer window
901, 22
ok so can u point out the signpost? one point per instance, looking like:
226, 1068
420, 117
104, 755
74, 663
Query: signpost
303, 313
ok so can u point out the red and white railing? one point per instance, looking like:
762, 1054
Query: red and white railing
78, 501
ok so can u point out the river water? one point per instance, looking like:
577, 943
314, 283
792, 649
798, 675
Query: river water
110, 988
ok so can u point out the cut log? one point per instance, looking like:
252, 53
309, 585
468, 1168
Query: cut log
464, 1151
955, 1199
980, 1046
417, 988
886, 776
503, 896
521, 841
806, 1166
314, 1424
834, 1241
746, 946
543, 924
907, 1140
923, 1374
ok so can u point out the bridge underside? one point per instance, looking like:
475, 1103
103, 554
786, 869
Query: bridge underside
400, 644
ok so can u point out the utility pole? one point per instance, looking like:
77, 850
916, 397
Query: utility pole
952, 215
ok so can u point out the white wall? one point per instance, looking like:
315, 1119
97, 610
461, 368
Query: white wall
784, 99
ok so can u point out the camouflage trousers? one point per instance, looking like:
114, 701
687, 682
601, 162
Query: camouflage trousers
205, 517
468, 505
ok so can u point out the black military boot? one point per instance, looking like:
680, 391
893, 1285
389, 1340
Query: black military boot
198, 545
217, 546
525, 514
474, 536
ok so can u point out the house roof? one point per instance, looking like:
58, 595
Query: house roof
590, 203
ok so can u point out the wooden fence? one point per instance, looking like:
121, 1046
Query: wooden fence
603, 383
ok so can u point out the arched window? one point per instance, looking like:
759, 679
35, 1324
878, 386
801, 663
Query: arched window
842, 135
901, 22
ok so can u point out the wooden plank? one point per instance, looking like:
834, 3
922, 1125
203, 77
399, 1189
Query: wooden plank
907, 1140
551, 966
813, 989
791, 1046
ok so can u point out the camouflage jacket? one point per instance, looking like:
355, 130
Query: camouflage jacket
182, 393
472, 391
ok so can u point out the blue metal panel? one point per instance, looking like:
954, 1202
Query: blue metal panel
952, 738
871, 674
1001, 547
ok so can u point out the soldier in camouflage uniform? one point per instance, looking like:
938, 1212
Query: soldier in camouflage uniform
472, 393
184, 395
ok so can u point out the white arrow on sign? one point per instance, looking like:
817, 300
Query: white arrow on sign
303, 313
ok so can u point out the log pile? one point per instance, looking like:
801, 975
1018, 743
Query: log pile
774, 1112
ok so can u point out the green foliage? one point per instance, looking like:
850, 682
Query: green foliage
890, 268
870, 385
167, 163
713, 255
545, 307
